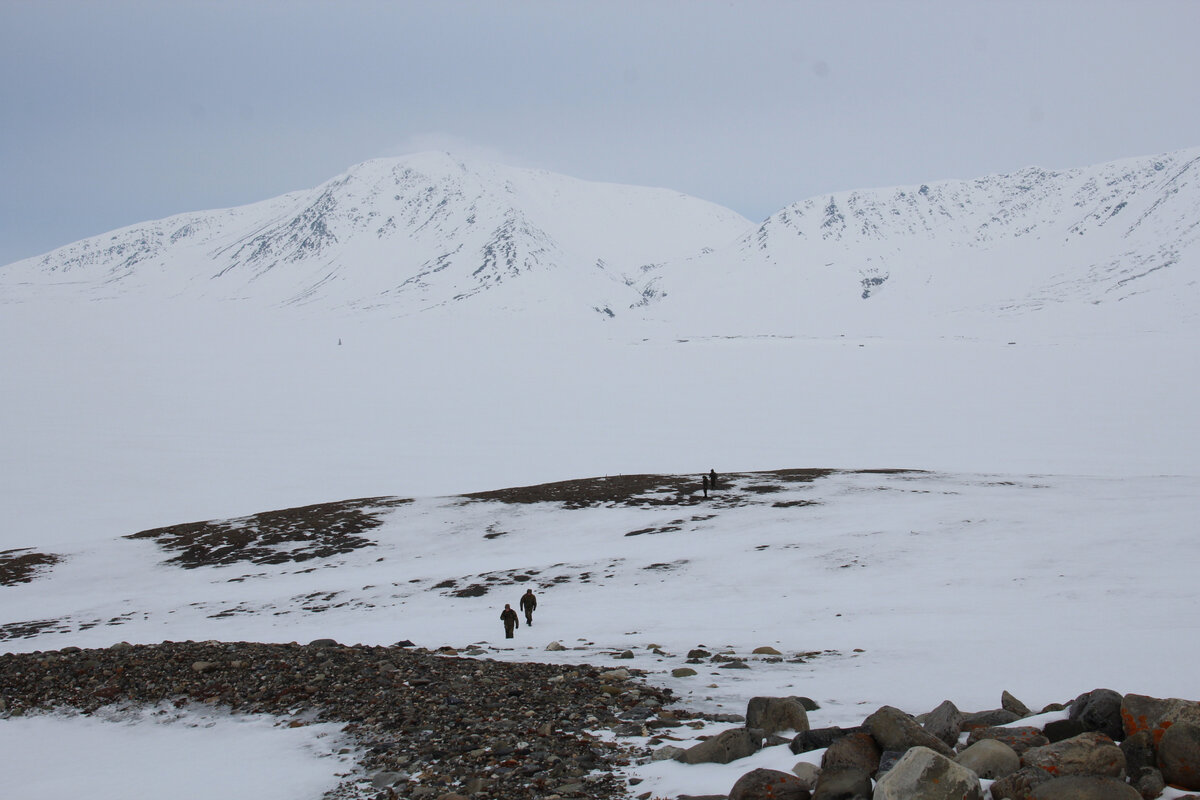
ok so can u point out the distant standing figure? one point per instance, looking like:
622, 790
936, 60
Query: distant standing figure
528, 604
712, 479
704, 483
509, 618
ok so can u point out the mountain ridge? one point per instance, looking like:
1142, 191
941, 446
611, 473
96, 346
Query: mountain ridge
411, 234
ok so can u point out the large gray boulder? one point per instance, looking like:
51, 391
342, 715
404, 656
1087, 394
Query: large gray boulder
945, 722
1085, 787
1020, 784
990, 759
924, 774
727, 746
1179, 755
895, 730
856, 750
773, 714
1010, 703
843, 783
1100, 710
769, 784
1085, 754
1142, 713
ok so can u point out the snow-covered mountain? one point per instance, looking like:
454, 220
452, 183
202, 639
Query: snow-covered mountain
424, 231
405, 234
999, 245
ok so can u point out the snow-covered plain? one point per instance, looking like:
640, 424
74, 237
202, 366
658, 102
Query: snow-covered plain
1049, 549
1040, 536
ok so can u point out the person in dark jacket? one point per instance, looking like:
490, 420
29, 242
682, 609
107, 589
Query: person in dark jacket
704, 485
712, 479
528, 604
509, 618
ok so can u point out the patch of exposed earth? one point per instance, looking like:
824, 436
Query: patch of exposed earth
274, 537
23, 565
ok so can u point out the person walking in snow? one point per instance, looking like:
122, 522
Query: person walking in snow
509, 618
528, 604
712, 479
704, 484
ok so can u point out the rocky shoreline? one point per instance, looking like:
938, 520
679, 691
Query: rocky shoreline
440, 726
427, 724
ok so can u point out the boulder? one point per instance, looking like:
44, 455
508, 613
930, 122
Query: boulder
769, 784
698, 653
766, 650
843, 783
1142, 713
1010, 703
666, 752
856, 750
682, 672
895, 730
1020, 784
1149, 782
1061, 729
1100, 710
817, 738
727, 746
1020, 738
945, 722
1085, 787
776, 714
808, 773
555, 647
1139, 752
1179, 755
924, 774
1086, 754
990, 759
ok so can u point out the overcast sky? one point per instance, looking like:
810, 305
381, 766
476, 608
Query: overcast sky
116, 112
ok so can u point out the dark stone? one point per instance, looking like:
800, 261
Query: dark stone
1020, 738
1010, 703
1085, 787
1179, 755
945, 722
843, 783
817, 738
1149, 782
723, 748
776, 714
1061, 729
1090, 753
895, 730
1100, 710
1139, 752
769, 784
1020, 785
857, 750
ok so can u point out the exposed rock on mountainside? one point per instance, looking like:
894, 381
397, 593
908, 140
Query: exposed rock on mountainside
415, 233
404, 234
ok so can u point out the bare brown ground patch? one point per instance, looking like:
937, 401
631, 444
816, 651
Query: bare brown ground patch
274, 537
23, 565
